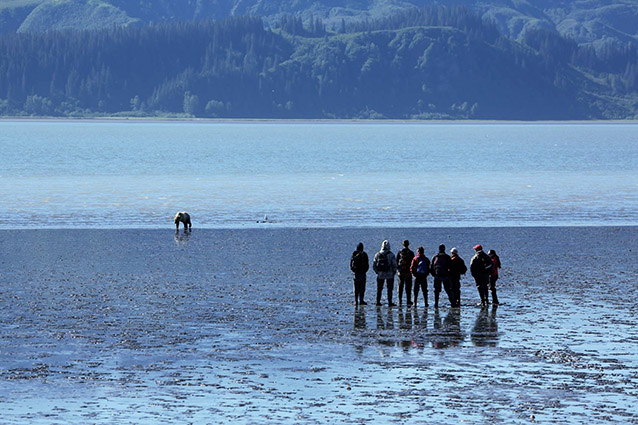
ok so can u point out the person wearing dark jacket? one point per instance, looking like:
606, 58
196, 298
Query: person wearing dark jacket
359, 264
481, 268
457, 268
440, 269
404, 262
420, 269
496, 264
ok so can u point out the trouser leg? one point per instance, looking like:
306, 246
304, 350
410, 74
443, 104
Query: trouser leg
454, 295
421, 283
408, 289
379, 290
359, 287
447, 286
437, 290
493, 280
486, 284
390, 284
481, 285
405, 281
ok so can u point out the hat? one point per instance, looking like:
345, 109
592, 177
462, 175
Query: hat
478, 247
454, 251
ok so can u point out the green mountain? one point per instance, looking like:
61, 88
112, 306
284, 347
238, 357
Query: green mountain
495, 59
422, 63
74, 14
585, 21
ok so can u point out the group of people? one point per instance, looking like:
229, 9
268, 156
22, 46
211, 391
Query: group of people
445, 269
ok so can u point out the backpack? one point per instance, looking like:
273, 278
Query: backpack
357, 263
481, 265
423, 267
403, 263
440, 265
487, 263
382, 262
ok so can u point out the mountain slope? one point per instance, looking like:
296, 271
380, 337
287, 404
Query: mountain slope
434, 63
585, 21
74, 14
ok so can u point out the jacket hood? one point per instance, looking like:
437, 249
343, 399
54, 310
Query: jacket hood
360, 246
385, 246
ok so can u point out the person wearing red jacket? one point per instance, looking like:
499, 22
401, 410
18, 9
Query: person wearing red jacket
496, 261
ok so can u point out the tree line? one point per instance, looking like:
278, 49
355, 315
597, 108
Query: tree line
433, 62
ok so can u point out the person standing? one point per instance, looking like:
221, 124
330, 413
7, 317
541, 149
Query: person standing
404, 261
496, 264
420, 269
359, 264
457, 268
385, 266
481, 268
440, 267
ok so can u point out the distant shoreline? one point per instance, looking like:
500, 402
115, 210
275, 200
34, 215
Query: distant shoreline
269, 228
161, 120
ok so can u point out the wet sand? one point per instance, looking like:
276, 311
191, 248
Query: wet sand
253, 326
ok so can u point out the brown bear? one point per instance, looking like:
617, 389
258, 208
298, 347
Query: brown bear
183, 217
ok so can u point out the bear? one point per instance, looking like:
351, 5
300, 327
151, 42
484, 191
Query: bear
183, 217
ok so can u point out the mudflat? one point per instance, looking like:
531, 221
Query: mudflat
259, 325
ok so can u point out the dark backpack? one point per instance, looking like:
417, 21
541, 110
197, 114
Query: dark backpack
441, 265
404, 262
482, 265
423, 266
487, 263
358, 262
382, 262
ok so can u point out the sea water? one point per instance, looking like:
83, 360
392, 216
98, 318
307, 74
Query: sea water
306, 174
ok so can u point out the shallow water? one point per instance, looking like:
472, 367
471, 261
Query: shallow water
253, 326
137, 175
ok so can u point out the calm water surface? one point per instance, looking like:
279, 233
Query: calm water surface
95, 174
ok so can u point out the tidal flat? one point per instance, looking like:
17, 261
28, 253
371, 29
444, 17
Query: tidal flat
259, 326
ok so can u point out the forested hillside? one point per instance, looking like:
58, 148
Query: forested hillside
585, 21
432, 62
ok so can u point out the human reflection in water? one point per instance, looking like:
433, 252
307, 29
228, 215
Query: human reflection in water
485, 330
359, 318
407, 340
405, 321
448, 333
389, 321
386, 339
182, 238
359, 325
